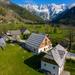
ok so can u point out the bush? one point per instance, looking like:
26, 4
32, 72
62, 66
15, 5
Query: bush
73, 46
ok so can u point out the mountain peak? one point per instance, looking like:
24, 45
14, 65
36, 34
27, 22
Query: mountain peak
45, 11
67, 17
72, 5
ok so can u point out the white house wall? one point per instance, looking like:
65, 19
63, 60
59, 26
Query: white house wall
49, 67
45, 49
61, 69
38, 50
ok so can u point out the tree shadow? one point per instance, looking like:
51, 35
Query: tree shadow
35, 62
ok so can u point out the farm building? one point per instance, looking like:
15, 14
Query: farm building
2, 42
38, 43
25, 31
14, 34
53, 61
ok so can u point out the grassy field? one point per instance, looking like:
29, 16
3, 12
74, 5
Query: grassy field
12, 61
70, 66
60, 33
72, 51
15, 60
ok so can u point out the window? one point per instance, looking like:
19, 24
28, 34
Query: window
54, 67
45, 41
45, 64
44, 49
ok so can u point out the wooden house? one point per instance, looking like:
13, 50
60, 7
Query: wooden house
38, 43
14, 34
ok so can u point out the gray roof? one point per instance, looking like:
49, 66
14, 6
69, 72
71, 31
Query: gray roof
26, 31
35, 40
13, 32
61, 53
2, 42
49, 55
57, 54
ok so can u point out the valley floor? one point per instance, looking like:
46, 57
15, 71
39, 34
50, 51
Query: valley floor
12, 61
15, 60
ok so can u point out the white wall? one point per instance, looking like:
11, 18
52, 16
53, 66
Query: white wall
39, 50
49, 67
48, 47
61, 69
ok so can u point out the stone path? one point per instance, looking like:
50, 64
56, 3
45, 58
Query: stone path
65, 73
70, 56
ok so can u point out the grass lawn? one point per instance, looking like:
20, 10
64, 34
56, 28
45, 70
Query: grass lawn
12, 61
70, 66
72, 51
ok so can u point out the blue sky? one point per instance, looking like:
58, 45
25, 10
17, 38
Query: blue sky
44, 1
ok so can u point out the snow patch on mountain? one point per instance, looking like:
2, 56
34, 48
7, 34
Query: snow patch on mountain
45, 11
72, 5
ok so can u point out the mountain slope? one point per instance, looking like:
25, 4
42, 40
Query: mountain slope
20, 13
7, 16
25, 14
66, 17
